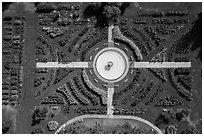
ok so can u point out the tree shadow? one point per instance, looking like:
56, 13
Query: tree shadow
6, 5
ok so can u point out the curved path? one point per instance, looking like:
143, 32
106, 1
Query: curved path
105, 116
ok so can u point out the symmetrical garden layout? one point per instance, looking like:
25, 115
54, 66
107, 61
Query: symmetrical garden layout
113, 74
88, 67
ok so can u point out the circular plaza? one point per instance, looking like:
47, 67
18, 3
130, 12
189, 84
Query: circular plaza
111, 65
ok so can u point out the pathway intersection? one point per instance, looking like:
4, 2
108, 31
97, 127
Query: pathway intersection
110, 65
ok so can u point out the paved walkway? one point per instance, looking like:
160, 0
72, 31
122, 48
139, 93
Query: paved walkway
110, 39
133, 65
161, 65
64, 65
110, 107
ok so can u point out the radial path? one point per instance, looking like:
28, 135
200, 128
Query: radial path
160, 64
64, 65
110, 100
132, 65
110, 38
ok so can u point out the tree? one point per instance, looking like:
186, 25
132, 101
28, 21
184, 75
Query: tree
6, 125
37, 130
111, 12
105, 12
171, 129
117, 130
6, 5
182, 113
97, 129
165, 118
45, 8
52, 125
93, 9
126, 125
78, 128
124, 6
126, 128
39, 115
